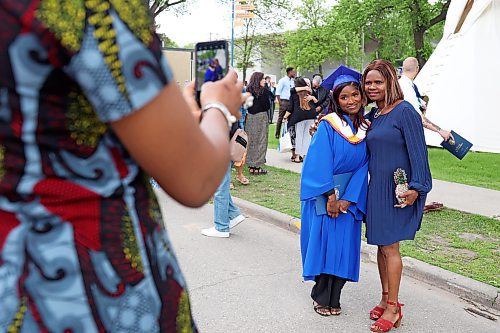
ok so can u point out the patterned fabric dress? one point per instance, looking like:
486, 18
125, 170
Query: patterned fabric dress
82, 244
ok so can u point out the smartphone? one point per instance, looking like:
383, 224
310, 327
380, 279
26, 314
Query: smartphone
212, 63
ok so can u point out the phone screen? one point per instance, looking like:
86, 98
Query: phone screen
211, 62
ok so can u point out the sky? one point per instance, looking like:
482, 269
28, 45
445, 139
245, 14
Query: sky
206, 20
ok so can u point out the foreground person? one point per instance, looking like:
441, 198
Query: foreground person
89, 110
331, 236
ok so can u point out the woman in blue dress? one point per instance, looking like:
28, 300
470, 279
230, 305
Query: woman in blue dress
395, 140
331, 231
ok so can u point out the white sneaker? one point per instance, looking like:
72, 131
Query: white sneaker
212, 232
237, 220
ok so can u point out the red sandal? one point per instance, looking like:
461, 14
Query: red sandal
378, 311
384, 325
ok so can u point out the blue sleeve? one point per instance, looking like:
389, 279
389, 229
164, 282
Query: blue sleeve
120, 75
420, 179
356, 191
317, 171
279, 88
208, 76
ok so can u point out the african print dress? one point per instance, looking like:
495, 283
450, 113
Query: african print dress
82, 244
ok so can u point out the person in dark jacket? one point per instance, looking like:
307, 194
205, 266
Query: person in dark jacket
320, 93
257, 124
272, 89
300, 115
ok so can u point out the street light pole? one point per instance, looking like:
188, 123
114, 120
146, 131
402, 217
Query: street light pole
232, 36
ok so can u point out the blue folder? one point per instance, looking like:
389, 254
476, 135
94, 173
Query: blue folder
458, 147
340, 182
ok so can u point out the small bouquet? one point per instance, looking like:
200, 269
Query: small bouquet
401, 184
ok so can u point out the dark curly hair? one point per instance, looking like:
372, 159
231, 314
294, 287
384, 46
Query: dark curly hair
254, 84
335, 107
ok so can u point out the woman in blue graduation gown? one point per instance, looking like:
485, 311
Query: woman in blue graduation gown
395, 140
331, 228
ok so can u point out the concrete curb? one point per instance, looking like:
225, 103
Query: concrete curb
459, 285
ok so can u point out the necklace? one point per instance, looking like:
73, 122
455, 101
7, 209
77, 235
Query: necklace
379, 112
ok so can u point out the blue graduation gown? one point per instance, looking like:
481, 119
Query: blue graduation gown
332, 245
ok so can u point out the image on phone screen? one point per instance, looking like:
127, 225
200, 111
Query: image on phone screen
211, 62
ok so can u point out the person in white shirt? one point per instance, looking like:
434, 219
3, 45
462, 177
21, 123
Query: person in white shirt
283, 96
412, 95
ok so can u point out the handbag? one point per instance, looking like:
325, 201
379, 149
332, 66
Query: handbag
238, 145
285, 143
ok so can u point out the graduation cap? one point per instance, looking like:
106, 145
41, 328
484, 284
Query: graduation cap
341, 75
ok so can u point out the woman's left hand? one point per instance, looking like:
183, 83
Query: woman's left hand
410, 196
189, 93
344, 205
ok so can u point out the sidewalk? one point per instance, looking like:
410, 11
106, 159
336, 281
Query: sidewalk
469, 199
251, 282
459, 285
462, 199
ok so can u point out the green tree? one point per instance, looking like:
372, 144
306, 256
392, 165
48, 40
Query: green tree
307, 47
424, 17
269, 16
159, 6
401, 27
166, 41
323, 35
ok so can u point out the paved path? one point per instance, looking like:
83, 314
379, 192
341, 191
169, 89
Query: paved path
251, 283
465, 198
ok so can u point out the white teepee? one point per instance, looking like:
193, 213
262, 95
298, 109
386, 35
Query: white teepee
462, 77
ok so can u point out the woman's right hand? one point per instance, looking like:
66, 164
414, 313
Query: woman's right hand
226, 91
332, 206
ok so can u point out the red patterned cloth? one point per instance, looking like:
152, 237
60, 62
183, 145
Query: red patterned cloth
82, 244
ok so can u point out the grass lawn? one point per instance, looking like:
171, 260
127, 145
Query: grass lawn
272, 142
463, 243
476, 169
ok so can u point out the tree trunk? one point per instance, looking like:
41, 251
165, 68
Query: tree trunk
418, 38
420, 29
320, 70
244, 70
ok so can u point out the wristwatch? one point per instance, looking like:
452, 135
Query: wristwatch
223, 109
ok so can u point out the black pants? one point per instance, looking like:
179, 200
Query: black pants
271, 112
327, 290
281, 114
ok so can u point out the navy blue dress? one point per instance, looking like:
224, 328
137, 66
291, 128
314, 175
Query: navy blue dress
396, 140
